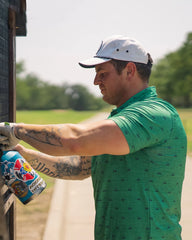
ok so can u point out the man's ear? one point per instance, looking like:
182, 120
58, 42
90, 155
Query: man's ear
131, 68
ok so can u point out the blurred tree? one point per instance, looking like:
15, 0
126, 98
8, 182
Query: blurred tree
81, 99
172, 75
20, 68
35, 94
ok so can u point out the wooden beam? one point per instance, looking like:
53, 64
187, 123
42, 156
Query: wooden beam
12, 66
23, 6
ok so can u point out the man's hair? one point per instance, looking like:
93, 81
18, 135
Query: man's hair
144, 70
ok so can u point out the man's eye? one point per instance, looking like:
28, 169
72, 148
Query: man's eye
102, 75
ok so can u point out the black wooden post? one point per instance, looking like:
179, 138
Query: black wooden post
12, 24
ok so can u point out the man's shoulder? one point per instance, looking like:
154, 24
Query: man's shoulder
154, 104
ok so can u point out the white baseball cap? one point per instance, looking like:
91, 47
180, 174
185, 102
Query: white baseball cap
120, 48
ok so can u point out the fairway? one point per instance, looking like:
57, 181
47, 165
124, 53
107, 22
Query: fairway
186, 117
53, 116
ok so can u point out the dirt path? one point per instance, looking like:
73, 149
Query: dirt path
31, 218
186, 205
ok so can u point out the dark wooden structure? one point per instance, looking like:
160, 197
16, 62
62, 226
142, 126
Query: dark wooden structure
12, 24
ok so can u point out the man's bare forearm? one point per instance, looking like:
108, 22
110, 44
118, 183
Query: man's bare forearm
72, 167
50, 139
47, 135
102, 137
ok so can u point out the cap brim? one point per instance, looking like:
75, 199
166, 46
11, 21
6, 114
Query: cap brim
92, 62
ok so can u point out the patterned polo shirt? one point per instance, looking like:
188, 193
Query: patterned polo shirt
138, 195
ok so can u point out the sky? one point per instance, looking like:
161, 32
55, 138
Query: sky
61, 33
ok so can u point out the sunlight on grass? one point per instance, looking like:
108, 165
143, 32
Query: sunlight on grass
53, 117
186, 117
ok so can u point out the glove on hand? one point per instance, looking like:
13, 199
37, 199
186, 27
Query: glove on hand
8, 140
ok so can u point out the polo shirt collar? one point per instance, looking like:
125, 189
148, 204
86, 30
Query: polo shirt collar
140, 96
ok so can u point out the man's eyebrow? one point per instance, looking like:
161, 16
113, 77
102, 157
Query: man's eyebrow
98, 69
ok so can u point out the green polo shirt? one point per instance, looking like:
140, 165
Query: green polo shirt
138, 196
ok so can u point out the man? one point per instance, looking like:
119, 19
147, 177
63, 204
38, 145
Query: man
136, 157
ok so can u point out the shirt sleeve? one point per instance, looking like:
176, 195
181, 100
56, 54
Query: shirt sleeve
143, 126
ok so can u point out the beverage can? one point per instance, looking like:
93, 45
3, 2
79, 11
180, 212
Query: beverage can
20, 177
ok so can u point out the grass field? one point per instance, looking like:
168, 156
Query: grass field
186, 117
53, 117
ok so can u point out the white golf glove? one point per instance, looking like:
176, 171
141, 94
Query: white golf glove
8, 140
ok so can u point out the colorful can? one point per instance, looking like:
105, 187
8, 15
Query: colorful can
20, 177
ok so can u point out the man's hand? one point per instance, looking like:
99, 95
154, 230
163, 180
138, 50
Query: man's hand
8, 140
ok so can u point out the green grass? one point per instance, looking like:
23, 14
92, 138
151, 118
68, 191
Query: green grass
186, 117
53, 117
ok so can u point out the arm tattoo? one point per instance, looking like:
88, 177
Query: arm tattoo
86, 165
42, 168
44, 136
72, 167
39, 166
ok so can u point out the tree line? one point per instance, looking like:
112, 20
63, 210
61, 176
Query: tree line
34, 94
172, 76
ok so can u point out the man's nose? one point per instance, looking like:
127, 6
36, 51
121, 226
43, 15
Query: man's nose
96, 80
